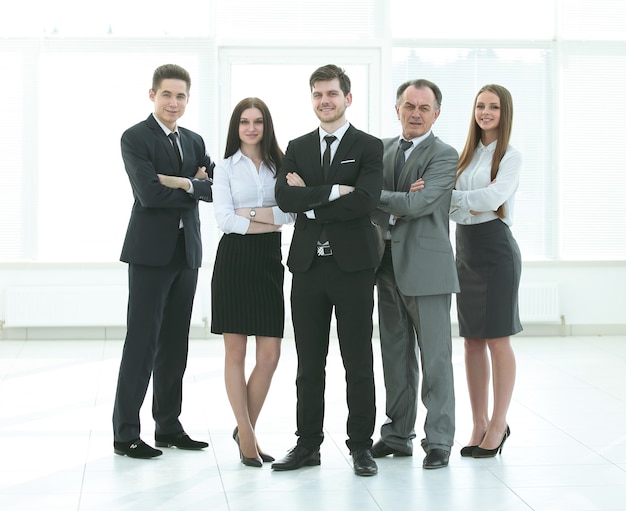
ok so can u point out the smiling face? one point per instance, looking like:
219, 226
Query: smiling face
487, 115
251, 126
170, 101
330, 103
417, 111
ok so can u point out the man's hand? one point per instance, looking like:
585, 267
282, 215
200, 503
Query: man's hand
345, 189
417, 185
174, 181
201, 174
294, 179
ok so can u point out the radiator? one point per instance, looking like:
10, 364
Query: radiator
86, 306
539, 302
72, 306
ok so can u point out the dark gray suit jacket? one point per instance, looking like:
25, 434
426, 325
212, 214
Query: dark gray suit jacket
153, 227
357, 162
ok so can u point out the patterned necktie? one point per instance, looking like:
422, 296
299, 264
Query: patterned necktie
173, 137
397, 169
326, 158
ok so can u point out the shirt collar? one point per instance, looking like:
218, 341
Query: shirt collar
165, 129
238, 156
487, 148
339, 132
418, 140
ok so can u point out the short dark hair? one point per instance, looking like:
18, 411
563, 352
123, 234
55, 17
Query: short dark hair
170, 71
420, 84
330, 72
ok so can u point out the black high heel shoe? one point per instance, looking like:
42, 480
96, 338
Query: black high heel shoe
479, 452
468, 451
249, 462
264, 456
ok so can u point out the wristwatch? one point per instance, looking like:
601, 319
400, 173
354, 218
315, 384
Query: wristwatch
252, 214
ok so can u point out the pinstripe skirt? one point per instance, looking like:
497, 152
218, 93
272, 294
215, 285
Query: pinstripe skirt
247, 286
489, 265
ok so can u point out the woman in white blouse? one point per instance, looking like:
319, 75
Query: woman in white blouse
247, 284
488, 264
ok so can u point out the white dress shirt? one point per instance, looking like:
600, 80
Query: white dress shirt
237, 184
475, 191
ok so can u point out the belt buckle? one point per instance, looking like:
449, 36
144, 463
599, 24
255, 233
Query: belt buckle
324, 251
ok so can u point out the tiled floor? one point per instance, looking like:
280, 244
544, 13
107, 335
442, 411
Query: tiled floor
567, 450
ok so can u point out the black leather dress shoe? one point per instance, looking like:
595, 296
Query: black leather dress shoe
436, 458
298, 457
180, 440
136, 449
363, 464
380, 449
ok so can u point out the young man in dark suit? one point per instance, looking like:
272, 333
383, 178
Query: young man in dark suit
332, 179
169, 172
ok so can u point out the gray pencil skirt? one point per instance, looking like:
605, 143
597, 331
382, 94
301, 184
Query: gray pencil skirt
489, 265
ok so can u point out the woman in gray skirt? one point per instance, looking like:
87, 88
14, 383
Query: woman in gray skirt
488, 264
247, 284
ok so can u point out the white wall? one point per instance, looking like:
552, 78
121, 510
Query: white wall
591, 301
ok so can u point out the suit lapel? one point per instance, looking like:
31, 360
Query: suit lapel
169, 148
315, 174
413, 161
388, 163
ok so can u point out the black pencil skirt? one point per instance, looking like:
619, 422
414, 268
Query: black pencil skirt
489, 265
247, 286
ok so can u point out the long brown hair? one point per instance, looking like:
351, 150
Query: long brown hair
271, 153
504, 135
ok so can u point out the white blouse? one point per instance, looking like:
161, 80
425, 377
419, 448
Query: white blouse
237, 184
475, 191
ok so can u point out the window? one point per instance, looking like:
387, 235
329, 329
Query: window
79, 76
459, 73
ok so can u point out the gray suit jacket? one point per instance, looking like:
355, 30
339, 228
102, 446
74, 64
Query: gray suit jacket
423, 260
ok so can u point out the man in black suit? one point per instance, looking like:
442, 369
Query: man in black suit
332, 258
169, 172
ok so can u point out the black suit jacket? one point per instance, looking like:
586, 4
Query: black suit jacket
153, 227
357, 162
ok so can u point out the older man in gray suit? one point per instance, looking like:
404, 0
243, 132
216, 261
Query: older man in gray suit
415, 278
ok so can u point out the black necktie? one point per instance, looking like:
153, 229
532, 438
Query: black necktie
323, 240
402, 146
173, 136
326, 158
